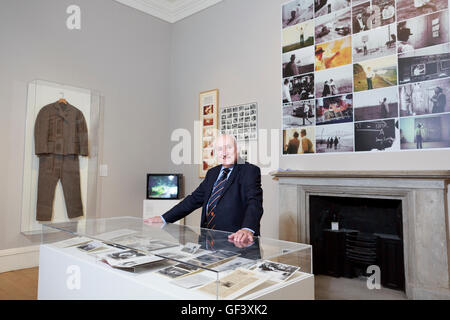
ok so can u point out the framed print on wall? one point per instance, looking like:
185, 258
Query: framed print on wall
208, 111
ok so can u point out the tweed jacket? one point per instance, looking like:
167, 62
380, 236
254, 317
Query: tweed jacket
60, 129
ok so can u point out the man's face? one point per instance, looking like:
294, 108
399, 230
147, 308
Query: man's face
226, 151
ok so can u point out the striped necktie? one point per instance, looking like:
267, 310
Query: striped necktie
214, 198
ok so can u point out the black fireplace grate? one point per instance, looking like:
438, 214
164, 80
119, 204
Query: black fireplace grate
361, 248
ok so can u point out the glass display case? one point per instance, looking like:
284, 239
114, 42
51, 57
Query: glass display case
168, 261
90, 104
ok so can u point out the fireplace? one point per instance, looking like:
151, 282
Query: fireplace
421, 196
366, 232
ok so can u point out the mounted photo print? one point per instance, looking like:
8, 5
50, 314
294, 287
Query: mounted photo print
364, 76
240, 121
208, 113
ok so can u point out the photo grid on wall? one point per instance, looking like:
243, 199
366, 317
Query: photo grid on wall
240, 121
365, 75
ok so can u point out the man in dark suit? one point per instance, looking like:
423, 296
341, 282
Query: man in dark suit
230, 196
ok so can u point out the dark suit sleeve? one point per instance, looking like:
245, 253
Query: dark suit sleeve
254, 199
189, 204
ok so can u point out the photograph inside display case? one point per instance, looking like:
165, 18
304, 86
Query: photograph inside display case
376, 63
194, 266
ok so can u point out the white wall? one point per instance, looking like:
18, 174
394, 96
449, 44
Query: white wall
151, 73
120, 52
235, 47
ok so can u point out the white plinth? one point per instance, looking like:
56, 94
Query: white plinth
69, 274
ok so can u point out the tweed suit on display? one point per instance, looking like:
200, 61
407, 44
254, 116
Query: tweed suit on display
60, 135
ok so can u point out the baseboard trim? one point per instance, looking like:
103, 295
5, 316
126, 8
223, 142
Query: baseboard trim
19, 258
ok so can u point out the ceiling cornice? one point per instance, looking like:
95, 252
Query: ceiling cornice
170, 11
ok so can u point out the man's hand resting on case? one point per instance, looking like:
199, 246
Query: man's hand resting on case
242, 236
154, 220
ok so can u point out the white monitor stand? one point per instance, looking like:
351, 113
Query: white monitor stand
158, 207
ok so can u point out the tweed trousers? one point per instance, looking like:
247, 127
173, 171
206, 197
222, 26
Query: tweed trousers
52, 168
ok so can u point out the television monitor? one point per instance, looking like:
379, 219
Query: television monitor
164, 186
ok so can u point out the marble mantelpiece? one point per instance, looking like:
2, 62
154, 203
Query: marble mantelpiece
425, 216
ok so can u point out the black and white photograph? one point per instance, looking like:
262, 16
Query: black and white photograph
379, 135
92, 246
153, 245
360, 17
175, 254
234, 264
298, 62
298, 114
276, 271
224, 254
245, 119
127, 258
334, 138
375, 43
423, 31
383, 13
173, 272
407, 9
187, 267
376, 104
125, 255
373, 14
333, 26
356, 2
334, 81
424, 64
191, 247
337, 109
424, 97
429, 132
299, 140
324, 7
208, 259
297, 11
298, 88
298, 36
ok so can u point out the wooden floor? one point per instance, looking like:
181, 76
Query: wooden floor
19, 285
330, 288
23, 284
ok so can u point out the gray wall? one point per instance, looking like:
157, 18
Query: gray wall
151, 73
235, 46
122, 53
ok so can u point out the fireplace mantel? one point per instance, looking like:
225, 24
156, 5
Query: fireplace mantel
404, 174
425, 216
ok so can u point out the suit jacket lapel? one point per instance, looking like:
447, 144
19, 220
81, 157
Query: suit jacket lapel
61, 113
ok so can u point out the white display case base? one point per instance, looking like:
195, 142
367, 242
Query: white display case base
69, 274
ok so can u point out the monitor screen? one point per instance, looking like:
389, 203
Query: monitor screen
163, 186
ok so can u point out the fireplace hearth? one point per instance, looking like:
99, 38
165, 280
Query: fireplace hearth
369, 234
